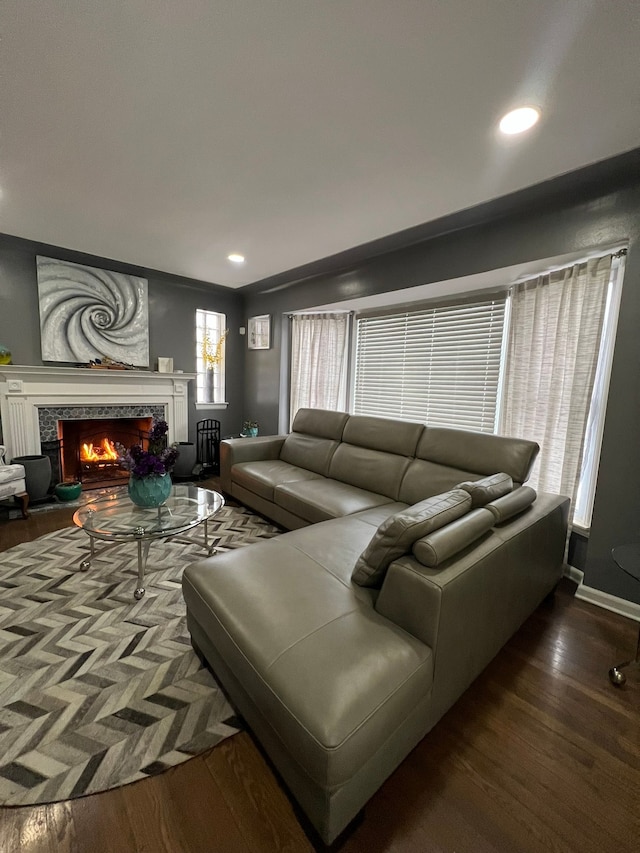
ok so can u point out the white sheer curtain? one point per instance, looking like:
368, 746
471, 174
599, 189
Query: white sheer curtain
319, 346
552, 354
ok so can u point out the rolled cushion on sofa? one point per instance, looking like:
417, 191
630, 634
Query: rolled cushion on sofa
512, 504
396, 534
487, 489
436, 547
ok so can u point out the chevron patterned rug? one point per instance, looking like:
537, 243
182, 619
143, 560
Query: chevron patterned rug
98, 689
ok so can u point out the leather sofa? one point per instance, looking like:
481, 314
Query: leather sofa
413, 554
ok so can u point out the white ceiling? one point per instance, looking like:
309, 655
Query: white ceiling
169, 134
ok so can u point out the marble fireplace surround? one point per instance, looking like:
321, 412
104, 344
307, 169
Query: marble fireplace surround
29, 395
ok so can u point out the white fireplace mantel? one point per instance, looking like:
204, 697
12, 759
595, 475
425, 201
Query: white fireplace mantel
25, 389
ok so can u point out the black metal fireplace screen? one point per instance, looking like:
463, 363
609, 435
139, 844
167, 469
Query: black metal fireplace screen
84, 452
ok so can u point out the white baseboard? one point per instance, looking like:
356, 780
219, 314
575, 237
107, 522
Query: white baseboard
575, 575
600, 598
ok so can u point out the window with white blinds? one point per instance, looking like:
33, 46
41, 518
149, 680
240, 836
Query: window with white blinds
439, 366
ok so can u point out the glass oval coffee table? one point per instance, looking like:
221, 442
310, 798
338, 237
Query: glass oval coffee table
118, 521
627, 557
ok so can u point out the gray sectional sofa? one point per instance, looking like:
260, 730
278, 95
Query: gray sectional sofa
414, 553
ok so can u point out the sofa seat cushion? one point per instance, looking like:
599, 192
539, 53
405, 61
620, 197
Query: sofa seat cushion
12, 478
396, 534
9, 473
337, 544
12, 487
262, 477
378, 514
330, 717
323, 499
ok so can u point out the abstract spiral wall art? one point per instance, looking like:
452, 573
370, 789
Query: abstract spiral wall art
88, 313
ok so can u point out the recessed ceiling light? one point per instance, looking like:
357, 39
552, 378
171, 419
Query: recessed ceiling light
235, 258
517, 121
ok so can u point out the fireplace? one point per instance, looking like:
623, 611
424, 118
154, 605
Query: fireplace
34, 400
88, 448
80, 440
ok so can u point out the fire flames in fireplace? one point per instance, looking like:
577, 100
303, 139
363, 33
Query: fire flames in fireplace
88, 448
99, 460
103, 452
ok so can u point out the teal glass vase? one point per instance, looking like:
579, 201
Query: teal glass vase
150, 491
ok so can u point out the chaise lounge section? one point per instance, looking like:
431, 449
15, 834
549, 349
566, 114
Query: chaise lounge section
414, 553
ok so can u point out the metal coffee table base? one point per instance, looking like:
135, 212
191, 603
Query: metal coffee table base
616, 676
143, 552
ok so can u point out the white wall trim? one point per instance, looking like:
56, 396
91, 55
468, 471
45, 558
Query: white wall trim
609, 602
212, 406
575, 575
24, 389
601, 599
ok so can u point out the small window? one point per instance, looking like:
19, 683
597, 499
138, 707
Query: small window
211, 333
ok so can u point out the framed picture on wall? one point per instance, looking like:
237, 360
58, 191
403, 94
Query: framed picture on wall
259, 332
88, 313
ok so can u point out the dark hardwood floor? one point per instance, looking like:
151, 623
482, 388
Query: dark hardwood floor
540, 754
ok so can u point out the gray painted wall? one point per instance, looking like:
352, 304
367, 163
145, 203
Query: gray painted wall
595, 207
172, 305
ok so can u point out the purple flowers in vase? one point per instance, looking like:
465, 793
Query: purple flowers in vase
156, 459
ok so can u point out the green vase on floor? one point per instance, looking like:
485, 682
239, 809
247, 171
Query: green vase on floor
68, 491
150, 491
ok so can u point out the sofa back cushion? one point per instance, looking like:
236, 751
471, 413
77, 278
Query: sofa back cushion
315, 435
385, 434
396, 535
308, 452
424, 479
375, 453
320, 422
482, 453
445, 457
371, 470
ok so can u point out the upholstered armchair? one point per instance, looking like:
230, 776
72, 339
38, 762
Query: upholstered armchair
12, 482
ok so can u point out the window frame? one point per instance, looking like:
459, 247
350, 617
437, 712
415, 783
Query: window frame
215, 323
585, 497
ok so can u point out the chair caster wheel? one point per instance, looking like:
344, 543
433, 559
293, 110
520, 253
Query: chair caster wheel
616, 677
